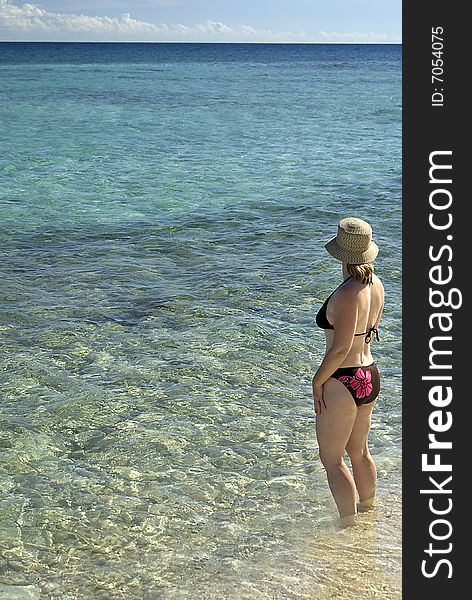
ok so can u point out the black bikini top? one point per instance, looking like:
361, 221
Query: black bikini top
323, 323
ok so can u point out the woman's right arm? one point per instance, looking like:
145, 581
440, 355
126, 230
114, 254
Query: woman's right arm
345, 319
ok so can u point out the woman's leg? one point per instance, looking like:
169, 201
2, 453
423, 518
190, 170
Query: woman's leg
363, 466
333, 429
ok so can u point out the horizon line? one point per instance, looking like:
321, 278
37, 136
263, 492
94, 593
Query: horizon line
198, 42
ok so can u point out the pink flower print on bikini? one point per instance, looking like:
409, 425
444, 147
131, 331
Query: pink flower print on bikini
360, 382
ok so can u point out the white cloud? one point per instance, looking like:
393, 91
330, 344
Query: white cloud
356, 37
32, 22
214, 27
31, 18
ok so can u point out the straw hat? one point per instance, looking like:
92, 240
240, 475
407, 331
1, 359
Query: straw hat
353, 243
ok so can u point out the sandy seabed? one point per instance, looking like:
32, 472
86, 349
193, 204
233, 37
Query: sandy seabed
362, 562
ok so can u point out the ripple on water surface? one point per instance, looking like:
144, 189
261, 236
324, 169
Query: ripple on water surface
163, 261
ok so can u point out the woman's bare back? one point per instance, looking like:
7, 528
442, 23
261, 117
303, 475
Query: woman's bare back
370, 298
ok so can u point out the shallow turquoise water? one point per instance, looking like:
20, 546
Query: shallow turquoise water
163, 210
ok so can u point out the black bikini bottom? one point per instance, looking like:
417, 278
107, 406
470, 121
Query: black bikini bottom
362, 382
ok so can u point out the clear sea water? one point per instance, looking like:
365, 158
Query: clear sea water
163, 211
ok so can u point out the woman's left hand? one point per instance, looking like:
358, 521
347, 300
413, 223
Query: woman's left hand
318, 399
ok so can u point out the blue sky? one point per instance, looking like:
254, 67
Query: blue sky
342, 21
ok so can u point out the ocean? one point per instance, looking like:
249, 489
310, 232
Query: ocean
163, 214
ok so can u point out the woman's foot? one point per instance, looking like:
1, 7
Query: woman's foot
366, 505
347, 521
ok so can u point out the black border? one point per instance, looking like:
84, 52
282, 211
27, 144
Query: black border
428, 128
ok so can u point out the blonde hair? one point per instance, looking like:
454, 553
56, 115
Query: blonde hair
363, 273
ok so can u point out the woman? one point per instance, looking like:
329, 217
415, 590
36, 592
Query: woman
346, 384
